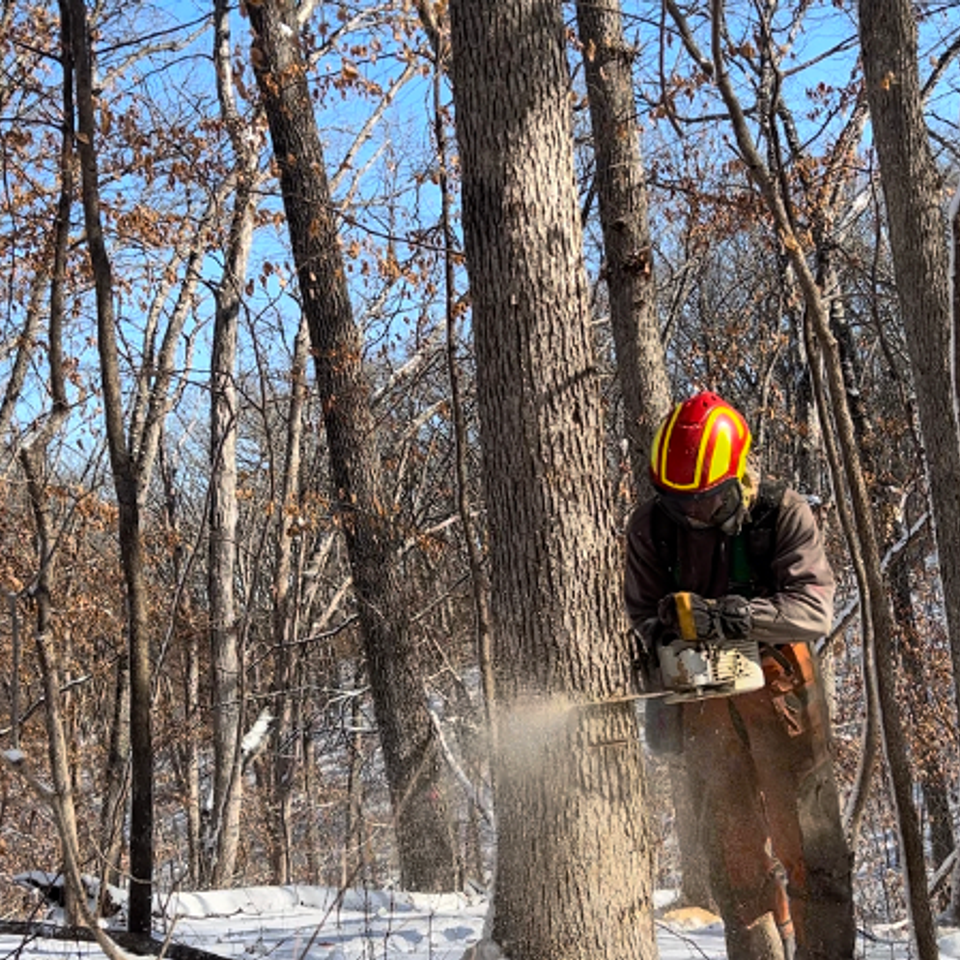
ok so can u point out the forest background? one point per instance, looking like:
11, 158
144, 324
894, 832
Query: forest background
292, 514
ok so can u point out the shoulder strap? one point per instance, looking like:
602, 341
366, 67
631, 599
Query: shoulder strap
754, 546
766, 509
664, 533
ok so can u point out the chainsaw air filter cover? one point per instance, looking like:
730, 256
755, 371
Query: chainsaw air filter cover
695, 669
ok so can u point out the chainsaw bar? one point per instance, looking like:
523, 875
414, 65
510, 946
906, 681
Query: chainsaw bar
627, 698
668, 696
701, 693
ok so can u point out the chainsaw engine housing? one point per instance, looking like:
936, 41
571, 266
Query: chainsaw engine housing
691, 670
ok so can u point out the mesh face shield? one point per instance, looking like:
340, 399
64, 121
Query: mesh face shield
699, 511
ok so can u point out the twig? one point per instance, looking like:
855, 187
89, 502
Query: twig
471, 791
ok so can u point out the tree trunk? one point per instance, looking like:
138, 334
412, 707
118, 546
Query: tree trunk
311, 790
285, 741
191, 757
870, 739
425, 841
224, 823
27, 341
480, 588
47, 652
922, 708
225, 658
818, 355
632, 289
917, 233
112, 813
354, 830
126, 484
187, 753
628, 251
33, 458
806, 461
573, 849
225, 654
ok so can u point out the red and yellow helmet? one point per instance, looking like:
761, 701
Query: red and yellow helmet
701, 445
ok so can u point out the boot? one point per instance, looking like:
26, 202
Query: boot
759, 941
789, 946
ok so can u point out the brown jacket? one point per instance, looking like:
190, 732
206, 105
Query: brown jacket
799, 610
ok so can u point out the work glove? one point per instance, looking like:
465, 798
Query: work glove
727, 618
735, 617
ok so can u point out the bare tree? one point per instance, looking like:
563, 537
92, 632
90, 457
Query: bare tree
33, 457
284, 621
414, 766
917, 230
126, 483
572, 848
223, 825
132, 453
627, 247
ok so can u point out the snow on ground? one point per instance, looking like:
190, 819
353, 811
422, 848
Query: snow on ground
318, 923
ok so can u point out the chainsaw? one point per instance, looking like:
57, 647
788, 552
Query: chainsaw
690, 669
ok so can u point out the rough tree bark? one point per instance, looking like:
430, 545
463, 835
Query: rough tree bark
627, 247
573, 868
917, 230
428, 858
632, 290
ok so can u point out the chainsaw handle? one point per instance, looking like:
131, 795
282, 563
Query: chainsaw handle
685, 621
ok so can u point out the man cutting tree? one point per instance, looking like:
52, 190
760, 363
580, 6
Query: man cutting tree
726, 586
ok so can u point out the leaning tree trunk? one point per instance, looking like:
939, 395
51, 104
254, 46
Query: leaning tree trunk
917, 231
428, 857
846, 359
573, 865
33, 459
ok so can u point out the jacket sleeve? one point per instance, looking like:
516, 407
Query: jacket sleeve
645, 579
802, 607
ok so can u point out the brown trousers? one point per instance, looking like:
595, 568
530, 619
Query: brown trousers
762, 785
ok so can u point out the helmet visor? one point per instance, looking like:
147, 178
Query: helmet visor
700, 511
